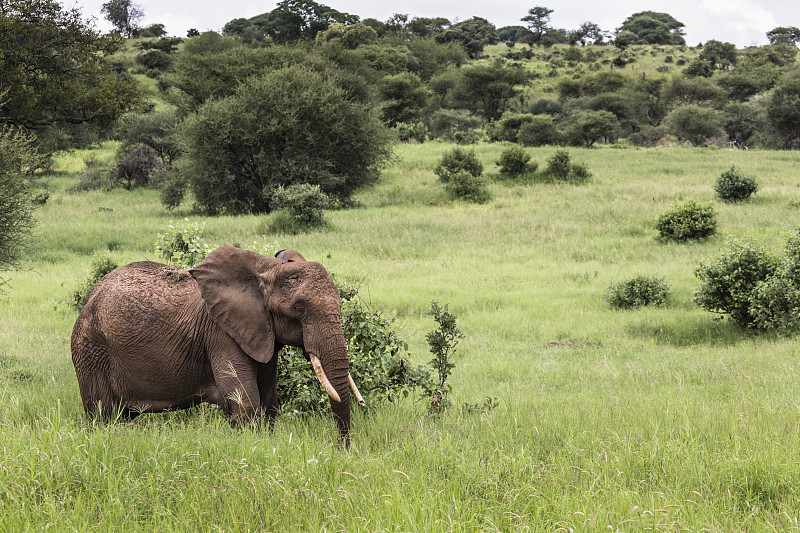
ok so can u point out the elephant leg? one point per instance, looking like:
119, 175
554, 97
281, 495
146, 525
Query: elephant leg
235, 375
268, 388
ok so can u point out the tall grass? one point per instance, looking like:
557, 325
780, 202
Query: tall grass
655, 419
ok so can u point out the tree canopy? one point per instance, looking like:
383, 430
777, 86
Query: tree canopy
651, 27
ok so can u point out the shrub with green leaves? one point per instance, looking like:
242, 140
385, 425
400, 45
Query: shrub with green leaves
442, 342
458, 160
561, 168
101, 265
638, 291
173, 188
687, 221
515, 161
182, 245
464, 186
728, 282
734, 185
304, 202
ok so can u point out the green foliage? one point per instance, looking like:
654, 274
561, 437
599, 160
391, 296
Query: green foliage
136, 169
445, 123
650, 27
155, 60
314, 134
157, 129
53, 68
687, 221
695, 124
182, 245
775, 304
539, 131
586, 127
463, 185
101, 265
457, 160
472, 34
487, 89
18, 158
172, 188
783, 113
734, 185
561, 168
378, 361
729, 281
304, 203
124, 15
404, 97
515, 161
408, 132
638, 291
442, 341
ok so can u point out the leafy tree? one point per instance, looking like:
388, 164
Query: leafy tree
488, 88
783, 112
784, 35
651, 27
700, 91
53, 68
18, 157
588, 33
512, 34
293, 20
695, 124
404, 97
427, 27
433, 58
473, 34
158, 130
124, 15
741, 121
721, 56
286, 126
538, 20
348, 36
153, 30
540, 131
586, 127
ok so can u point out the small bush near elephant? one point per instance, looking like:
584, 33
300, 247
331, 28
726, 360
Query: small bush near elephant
734, 185
464, 186
101, 265
638, 291
514, 162
727, 283
458, 160
301, 208
182, 245
560, 167
687, 221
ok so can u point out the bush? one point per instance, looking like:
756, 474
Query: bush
688, 221
561, 167
539, 131
101, 265
445, 123
728, 282
182, 245
775, 304
157, 129
135, 170
695, 123
638, 291
514, 162
304, 204
173, 188
408, 132
646, 137
464, 186
286, 126
734, 186
458, 160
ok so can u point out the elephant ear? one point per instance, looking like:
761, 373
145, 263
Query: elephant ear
229, 284
290, 256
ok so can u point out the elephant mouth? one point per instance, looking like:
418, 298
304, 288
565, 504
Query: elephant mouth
326, 384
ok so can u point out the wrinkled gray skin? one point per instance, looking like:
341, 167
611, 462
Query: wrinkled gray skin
153, 339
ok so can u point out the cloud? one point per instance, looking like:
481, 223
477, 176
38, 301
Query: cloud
740, 20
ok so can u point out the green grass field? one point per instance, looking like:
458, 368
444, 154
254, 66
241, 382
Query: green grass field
650, 420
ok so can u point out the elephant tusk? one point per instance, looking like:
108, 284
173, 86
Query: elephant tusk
353, 388
323, 378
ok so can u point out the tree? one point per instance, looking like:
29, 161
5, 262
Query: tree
124, 15
153, 30
784, 35
282, 127
53, 68
741, 121
695, 124
427, 27
783, 112
349, 37
651, 27
721, 56
404, 97
538, 20
293, 20
586, 127
511, 34
17, 159
588, 33
473, 34
487, 89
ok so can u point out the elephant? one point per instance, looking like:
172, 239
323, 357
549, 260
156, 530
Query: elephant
153, 338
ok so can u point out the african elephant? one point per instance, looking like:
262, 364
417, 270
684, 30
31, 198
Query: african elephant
152, 338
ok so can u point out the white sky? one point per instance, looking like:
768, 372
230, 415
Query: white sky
742, 22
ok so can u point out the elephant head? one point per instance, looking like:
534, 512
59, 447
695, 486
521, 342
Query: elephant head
264, 303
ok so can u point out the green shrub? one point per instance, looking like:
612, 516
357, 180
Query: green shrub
182, 245
173, 188
464, 186
728, 282
775, 304
734, 185
638, 291
687, 221
561, 167
304, 203
411, 132
458, 160
445, 123
466, 137
539, 131
101, 265
514, 162
442, 342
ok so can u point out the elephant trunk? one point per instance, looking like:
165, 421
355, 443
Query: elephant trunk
329, 346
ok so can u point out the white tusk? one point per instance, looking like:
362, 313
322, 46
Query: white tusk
353, 388
323, 378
